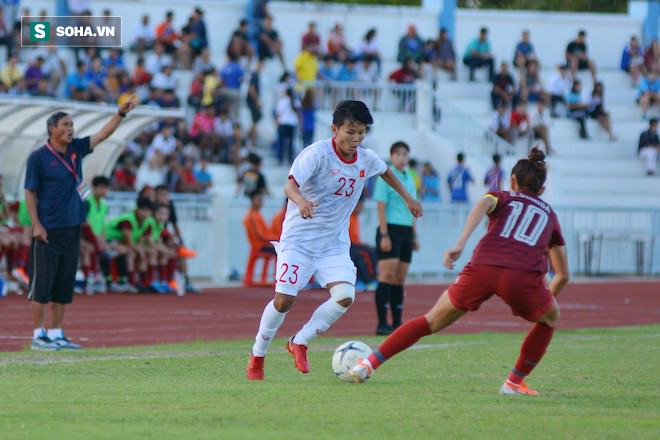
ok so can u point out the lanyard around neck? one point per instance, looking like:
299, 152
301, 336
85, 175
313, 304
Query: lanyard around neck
71, 168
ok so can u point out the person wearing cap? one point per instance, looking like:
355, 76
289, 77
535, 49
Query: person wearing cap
55, 193
411, 47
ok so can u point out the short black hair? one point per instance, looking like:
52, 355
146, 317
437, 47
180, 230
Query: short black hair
100, 181
460, 157
351, 112
243, 22
255, 193
161, 188
653, 121
483, 30
497, 158
399, 144
144, 203
582, 33
157, 206
254, 159
54, 119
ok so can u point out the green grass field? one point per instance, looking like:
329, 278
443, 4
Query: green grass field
602, 383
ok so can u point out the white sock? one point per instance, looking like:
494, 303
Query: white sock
38, 332
270, 322
54, 333
321, 320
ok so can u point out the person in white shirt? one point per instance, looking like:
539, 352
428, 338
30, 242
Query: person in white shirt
540, 122
287, 113
325, 183
151, 172
164, 142
143, 36
367, 71
164, 80
560, 84
157, 60
369, 47
500, 122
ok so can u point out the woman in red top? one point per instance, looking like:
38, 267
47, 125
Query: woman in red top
510, 261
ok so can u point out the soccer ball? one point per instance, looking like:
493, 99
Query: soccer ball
346, 357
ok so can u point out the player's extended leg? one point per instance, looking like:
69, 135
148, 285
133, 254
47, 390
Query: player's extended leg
271, 319
442, 315
531, 353
341, 297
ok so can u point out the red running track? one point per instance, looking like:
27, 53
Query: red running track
233, 313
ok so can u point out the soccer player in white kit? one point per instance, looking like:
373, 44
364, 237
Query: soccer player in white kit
325, 184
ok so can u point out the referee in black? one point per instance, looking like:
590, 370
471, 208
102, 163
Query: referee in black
54, 194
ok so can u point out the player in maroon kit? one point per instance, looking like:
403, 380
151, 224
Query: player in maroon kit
510, 261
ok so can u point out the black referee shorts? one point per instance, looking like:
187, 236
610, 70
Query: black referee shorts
402, 239
53, 266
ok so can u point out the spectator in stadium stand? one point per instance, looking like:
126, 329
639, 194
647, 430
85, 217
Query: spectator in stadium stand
540, 122
10, 74
168, 99
495, 175
189, 183
411, 46
54, 196
196, 91
363, 255
367, 70
163, 80
577, 56
560, 84
269, 43
203, 62
649, 147
458, 179
652, 57
140, 76
167, 35
97, 76
164, 142
144, 36
444, 55
211, 87
124, 176
632, 60
531, 86
576, 108
235, 143
477, 55
259, 234
232, 76
407, 74
369, 48
151, 172
157, 59
77, 84
337, 47
254, 101
309, 106
202, 175
252, 179
500, 122
520, 126
197, 32
306, 64
174, 174
53, 68
596, 110
430, 190
648, 92
327, 71
348, 71
503, 88
287, 114
33, 74
524, 52
239, 43
312, 39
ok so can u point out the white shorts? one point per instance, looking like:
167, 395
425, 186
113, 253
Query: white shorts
295, 269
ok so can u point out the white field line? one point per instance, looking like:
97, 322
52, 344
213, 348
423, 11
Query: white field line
56, 358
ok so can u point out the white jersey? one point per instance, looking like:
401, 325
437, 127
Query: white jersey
336, 185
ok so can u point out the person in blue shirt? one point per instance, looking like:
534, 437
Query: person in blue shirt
524, 51
648, 92
54, 196
576, 108
477, 55
348, 71
458, 179
632, 60
96, 75
309, 106
411, 47
77, 84
202, 176
232, 76
327, 70
430, 183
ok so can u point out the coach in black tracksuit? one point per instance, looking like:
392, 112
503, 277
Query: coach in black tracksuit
54, 194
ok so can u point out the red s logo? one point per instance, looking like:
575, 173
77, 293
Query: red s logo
361, 173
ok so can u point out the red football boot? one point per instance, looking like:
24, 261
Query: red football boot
299, 353
255, 368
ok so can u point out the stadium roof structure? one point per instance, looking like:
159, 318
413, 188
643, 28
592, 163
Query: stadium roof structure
23, 129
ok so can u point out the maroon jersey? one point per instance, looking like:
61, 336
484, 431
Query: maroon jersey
521, 229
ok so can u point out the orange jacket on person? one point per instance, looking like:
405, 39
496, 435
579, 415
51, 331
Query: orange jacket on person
354, 229
258, 233
277, 221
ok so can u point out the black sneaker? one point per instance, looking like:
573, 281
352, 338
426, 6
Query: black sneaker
43, 343
384, 330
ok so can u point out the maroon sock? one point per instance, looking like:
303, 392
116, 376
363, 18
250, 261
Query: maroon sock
532, 351
23, 256
94, 263
162, 269
402, 338
133, 277
86, 270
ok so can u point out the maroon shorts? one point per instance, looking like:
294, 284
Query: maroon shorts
525, 292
